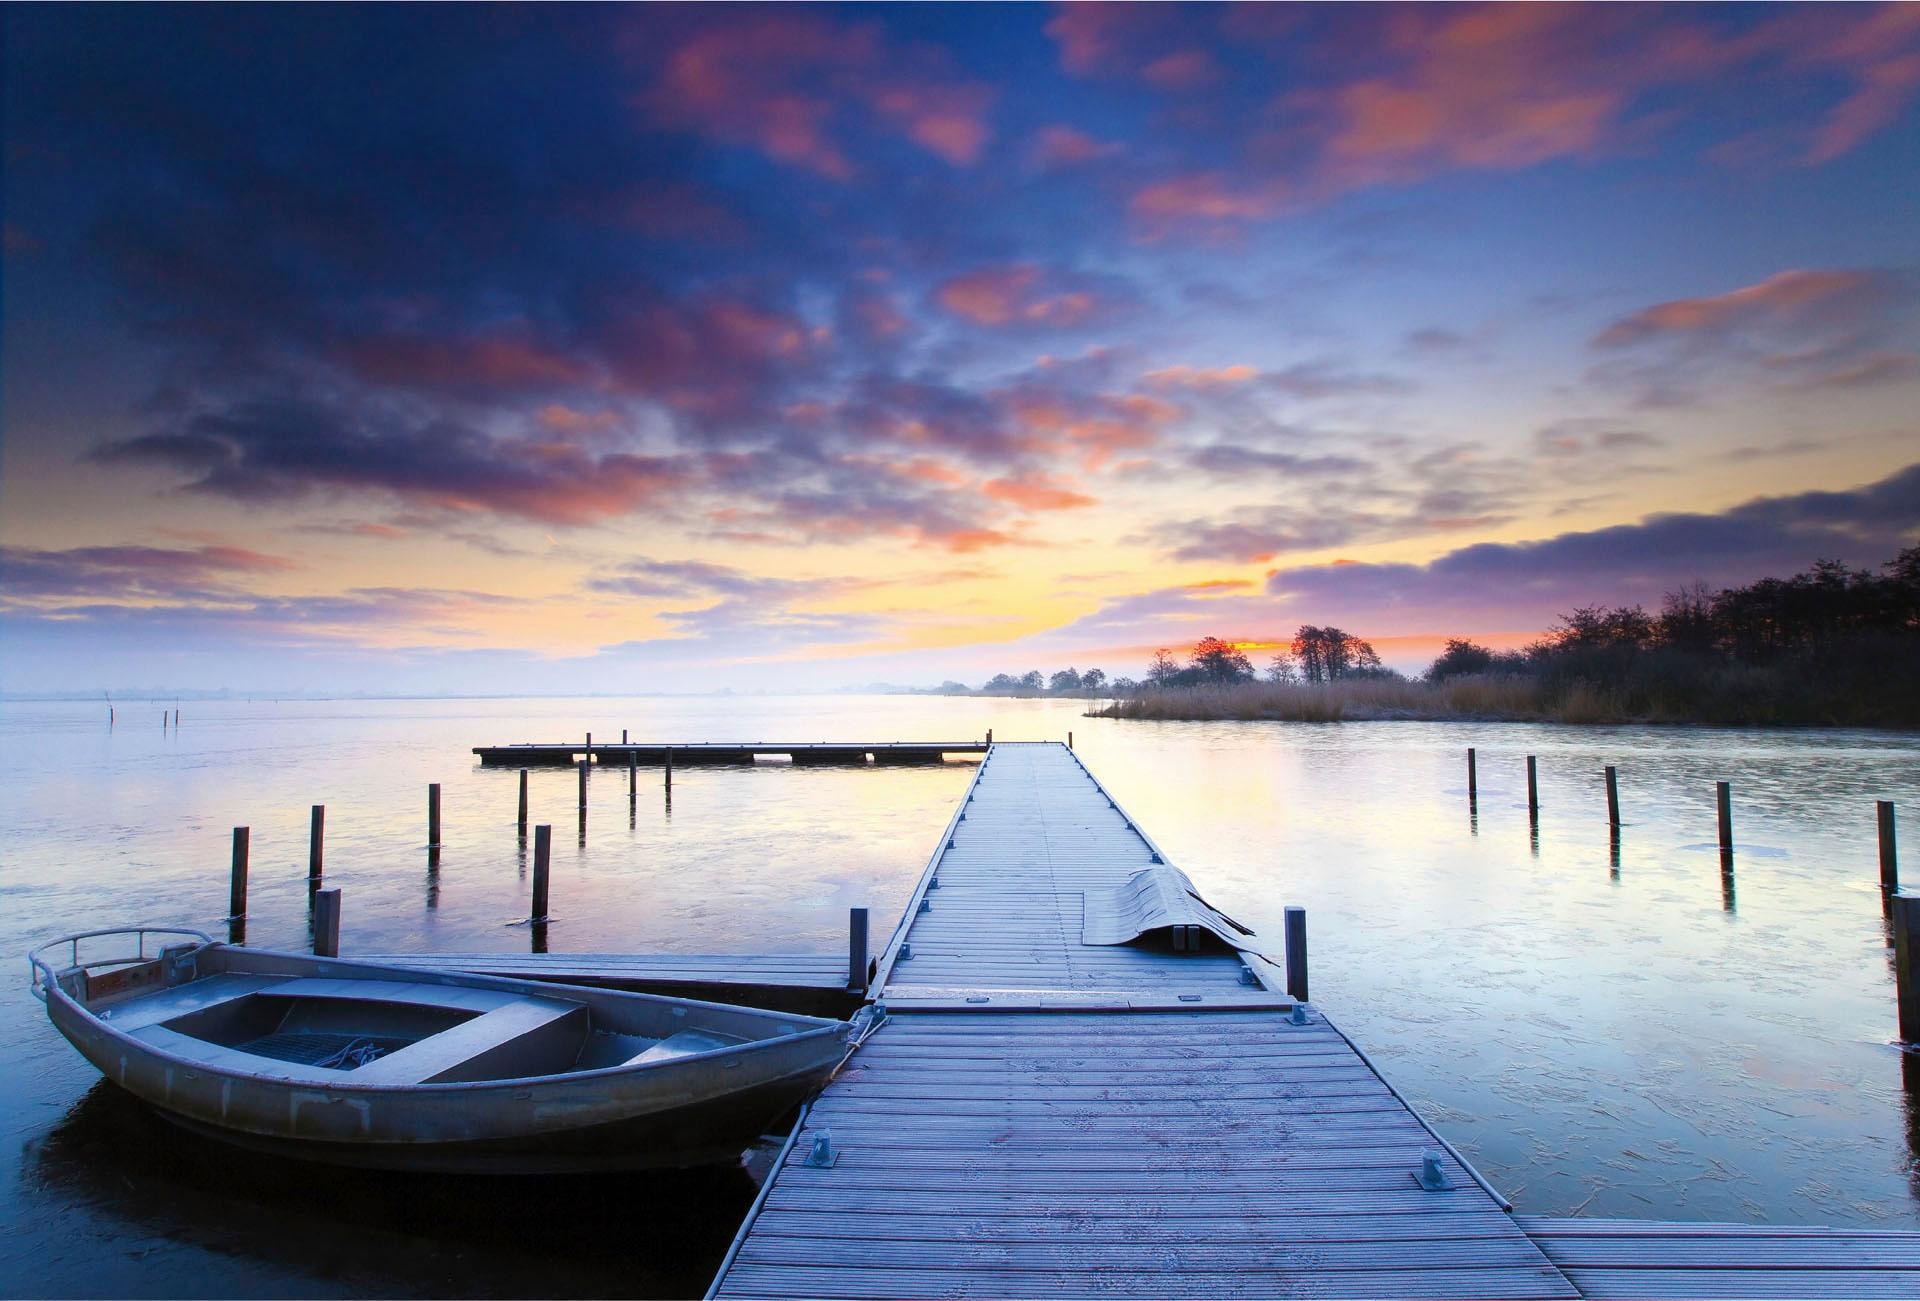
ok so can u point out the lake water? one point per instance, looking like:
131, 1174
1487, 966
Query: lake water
1650, 1039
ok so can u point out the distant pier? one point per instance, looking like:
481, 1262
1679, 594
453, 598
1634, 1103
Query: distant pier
653, 754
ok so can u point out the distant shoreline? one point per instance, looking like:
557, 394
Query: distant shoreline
1478, 699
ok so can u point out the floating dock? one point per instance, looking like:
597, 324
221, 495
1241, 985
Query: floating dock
654, 754
1048, 1113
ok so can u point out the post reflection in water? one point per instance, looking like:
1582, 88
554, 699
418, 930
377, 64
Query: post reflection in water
1726, 880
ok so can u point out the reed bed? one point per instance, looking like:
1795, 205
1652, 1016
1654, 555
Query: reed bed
1490, 698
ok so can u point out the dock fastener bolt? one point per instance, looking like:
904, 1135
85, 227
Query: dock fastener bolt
906, 952
1431, 1176
822, 1155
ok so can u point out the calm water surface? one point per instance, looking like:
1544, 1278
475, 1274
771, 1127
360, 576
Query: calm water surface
1642, 1039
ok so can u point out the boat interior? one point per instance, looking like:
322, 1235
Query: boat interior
285, 1017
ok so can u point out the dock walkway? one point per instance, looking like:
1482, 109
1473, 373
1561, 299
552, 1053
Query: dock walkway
654, 754
1045, 1117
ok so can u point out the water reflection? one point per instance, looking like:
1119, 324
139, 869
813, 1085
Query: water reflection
260, 1225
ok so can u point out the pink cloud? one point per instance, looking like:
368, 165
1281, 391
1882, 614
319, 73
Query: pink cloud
1018, 295
1786, 296
500, 362
1065, 146
792, 84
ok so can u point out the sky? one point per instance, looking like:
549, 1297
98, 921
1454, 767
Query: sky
634, 348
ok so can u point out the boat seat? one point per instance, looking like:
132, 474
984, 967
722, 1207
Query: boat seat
194, 996
684, 1043
528, 1036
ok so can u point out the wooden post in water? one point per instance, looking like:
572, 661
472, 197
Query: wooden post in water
1473, 781
1723, 796
1296, 937
237, 891
316, 839
542, 868
1889, 859
1069, 740
1613, 797
633, 777
1533, 791
523, 804
583, 787
857, 950
433, 815
1906, 948
623, 736
989, 736
589, 747
669, 771
326, 923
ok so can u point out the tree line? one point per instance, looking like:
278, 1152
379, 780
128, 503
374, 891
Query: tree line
1830, 645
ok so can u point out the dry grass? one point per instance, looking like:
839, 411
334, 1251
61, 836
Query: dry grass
1493, 698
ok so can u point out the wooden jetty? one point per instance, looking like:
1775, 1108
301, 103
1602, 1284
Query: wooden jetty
1042, 1116
655, 754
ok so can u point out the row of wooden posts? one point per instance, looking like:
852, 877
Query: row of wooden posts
1902, 910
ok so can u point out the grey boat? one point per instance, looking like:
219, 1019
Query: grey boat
350, 1063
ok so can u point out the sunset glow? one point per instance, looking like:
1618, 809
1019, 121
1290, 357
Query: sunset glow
517, 350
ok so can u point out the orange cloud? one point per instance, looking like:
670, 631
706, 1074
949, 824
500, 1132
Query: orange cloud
1035, 492
1064, 146
1200, 377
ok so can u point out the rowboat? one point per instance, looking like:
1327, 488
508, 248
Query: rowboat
384, 1066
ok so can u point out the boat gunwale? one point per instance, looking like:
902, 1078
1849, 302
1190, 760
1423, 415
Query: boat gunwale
821, 1028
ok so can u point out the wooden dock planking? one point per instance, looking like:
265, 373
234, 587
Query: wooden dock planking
1032, 1097
653, 754
1642, 1260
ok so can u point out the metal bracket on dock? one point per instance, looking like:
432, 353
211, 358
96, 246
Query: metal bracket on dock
906, 952
926, 904
823, 1155
933, 883
1299, 1014
1430, 1176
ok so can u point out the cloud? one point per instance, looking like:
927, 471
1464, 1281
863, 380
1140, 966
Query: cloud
1199, 377
1527, 584
262, 451
35, 575
798, 87
1020, 296
1788, 298
1060, 145
1035, 492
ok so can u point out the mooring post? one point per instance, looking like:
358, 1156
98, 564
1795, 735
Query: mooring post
989, 736
633, 777
542, 869
1473, 780
1613, 797
1723, 796
1889, 860
669, 770
1906, 932
523, 804
237, 891
1533, 790
623, 736
589, 746
1296, 936
326, 923
1069, 740
583, 786
316, 838
433, 815
857, 950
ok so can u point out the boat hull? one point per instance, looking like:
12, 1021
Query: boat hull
699, 1110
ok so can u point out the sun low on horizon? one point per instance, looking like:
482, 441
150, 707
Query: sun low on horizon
522, 349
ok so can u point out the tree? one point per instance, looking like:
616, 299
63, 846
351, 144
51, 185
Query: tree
1460, 658
1164, 666
1032, 681
1328, 654
1093, 680
1000, 684
1217, 661
1067, 679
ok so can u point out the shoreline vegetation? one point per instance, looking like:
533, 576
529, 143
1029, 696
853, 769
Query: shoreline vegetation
1829, 647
